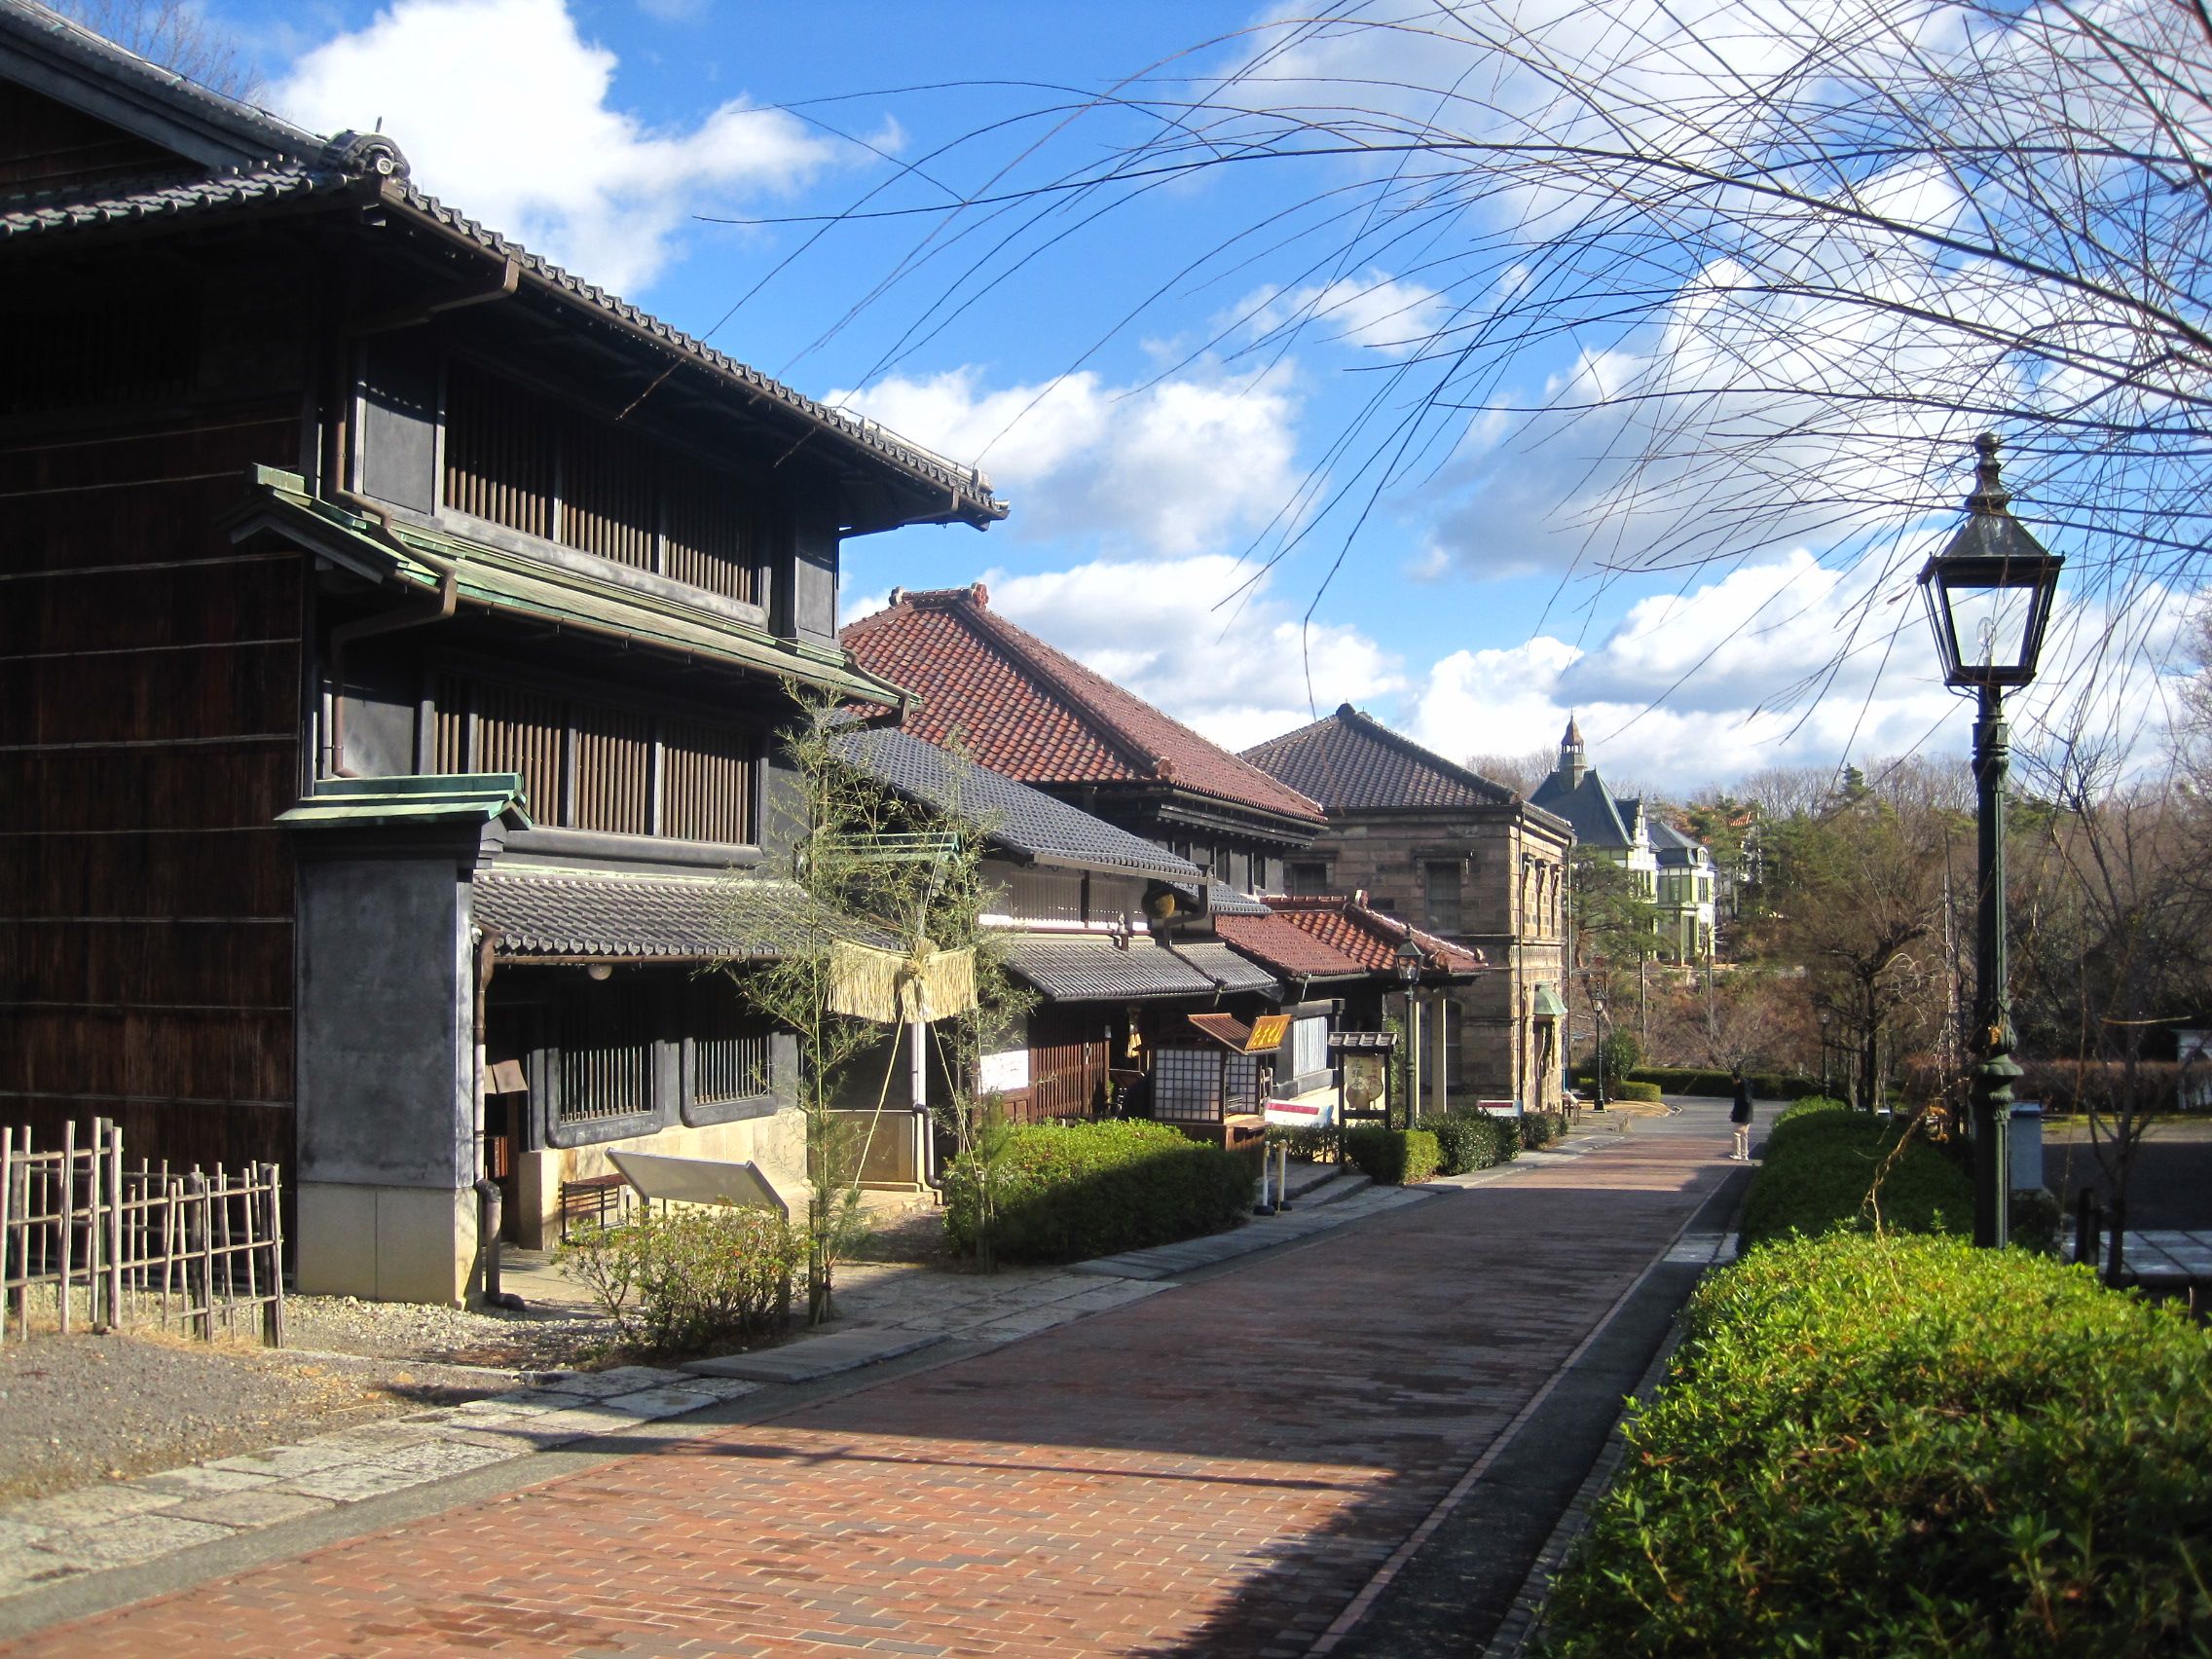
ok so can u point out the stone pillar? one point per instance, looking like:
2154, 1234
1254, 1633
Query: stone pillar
1440, 1046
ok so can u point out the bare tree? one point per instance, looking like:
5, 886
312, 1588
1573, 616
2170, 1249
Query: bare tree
176, 34
1521, 773
1755, 269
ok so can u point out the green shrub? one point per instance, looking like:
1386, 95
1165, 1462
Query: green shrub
1467, 1141
1396, 1157
2034, 1219
1621, 1052
1810, 1103
1069, 1192
1538, 1129
1908, 1447
680, 1280
1718, 1085
1309, 1145
1818, 1168
1631, 1089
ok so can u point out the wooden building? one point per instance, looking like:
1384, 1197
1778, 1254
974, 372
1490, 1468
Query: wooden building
1472, 864
392, 629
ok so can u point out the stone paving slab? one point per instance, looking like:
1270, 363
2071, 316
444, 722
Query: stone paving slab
1261, 1232
816, 1356
2157, 1255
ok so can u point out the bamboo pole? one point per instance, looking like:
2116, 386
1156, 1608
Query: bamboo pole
222, 1251
169, 1239
252, 1242
276, 1257
115, 1225
68, 1211
92, 1279
7, 1194
198, 1302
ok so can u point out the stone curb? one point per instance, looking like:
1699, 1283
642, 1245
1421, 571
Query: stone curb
1523, 1625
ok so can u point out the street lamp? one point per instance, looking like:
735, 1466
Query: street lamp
1989, 596
1408, 959
1598, 1023
1825, 1017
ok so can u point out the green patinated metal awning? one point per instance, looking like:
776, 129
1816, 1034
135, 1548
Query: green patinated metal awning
1547, 1003
365, 804
515, 584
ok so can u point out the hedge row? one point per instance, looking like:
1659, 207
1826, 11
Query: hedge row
1467, 1141
1631, 1089
1396, 1158
1538, 1129
1907, 1445
1687, 1080
1819, 1166
1069, 1192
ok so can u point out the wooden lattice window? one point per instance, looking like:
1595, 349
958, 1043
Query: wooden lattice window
730, 1053
614, 770
707, 782
1186, 1086
524, 732
607, 1053
584, 479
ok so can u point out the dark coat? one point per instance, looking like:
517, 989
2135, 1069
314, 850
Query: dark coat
1740, 1112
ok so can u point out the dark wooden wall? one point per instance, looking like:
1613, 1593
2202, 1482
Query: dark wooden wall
1068, 1055
149, 735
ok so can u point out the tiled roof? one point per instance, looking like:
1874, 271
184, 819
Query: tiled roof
1352, 762
1281, 944
113, 203
252, 158
1027, 821
538, 913
1352, 928
1023, 708
1588, 807
1068, 968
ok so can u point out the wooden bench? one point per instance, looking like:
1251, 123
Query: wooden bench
595, 1199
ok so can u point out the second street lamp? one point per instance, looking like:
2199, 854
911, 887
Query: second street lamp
1410, 959
1989, 596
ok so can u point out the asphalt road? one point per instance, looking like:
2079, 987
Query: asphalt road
2169, 1187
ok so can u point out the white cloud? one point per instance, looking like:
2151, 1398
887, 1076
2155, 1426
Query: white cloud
1174, 468
1236, 671
1373, 311
1748, 668
507, 112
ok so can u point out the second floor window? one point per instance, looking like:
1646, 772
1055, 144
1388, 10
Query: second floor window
567, 475
1439, 911
596, 766
1306, 878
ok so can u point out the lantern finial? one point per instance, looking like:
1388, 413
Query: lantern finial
1990, 497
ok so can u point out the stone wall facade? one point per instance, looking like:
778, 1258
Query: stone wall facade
1511, 869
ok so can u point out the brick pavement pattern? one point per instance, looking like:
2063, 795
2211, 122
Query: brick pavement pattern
1214, 1470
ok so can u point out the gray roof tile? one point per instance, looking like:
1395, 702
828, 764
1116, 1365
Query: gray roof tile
1073, 969
1026, 822
537, 912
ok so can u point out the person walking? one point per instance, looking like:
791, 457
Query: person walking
1740, 1116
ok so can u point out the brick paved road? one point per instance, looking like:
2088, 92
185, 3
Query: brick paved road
1215, 1470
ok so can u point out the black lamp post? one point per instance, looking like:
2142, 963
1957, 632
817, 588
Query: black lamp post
1408, 959
1824, 1016
1989, 596
1597, 1024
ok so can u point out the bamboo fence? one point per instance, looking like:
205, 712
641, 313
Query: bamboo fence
89, 1243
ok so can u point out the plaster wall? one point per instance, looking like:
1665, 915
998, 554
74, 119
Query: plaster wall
778, 1142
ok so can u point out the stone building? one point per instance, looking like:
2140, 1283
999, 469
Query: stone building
1671, 871
1461, 856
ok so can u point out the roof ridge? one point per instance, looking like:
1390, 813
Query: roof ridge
1428, 757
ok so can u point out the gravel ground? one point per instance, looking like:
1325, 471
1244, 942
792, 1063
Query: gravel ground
537, 1339
81, 1408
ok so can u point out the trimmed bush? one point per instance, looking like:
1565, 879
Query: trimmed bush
1069, 1192
682, 1280
1316, 1145
1467, 1141
1811, 1103
1396, 1157
1538, 1129
1907, 1445
1692, 1080
1818, 1168
1634, 1090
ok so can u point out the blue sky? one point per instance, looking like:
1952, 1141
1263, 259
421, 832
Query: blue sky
1148, 451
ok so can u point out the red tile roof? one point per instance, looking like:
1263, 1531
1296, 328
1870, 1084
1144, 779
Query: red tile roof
1023, 709
1351, 928
1280, 943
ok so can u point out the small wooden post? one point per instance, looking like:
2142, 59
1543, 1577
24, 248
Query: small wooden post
275, 1258
6, 1193
252, 1242
93, 1229
199, 1279
114, 1225
220, 1249
67, 1208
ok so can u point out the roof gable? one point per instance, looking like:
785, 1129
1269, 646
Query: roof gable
1025, 709
1352, 928
1589, 806
1351, 761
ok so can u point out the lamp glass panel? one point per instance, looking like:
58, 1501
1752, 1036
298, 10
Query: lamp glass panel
1990, 623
